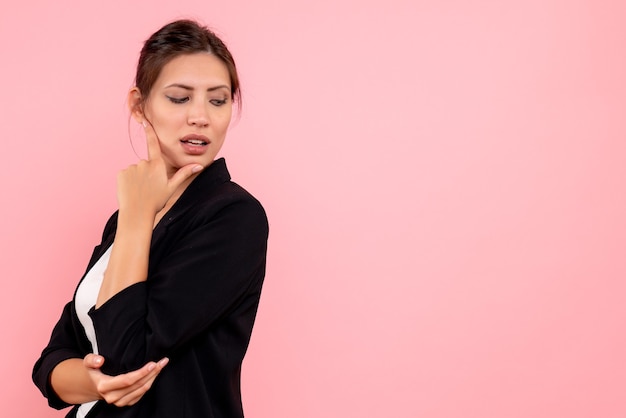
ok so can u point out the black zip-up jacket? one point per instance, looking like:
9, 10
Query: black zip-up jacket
197, 307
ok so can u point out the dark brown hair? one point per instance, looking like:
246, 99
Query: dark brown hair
179, 38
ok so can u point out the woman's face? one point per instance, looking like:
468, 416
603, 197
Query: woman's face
190, 107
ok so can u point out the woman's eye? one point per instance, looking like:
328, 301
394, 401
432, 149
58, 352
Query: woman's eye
218, 102
178, 100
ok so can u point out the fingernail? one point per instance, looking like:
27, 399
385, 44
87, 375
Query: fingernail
151, 367
97, 360
143, 122
163, 362
197, 169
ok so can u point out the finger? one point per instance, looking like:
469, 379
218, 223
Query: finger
135, 395
118, 389
128, 395
127, 380
144, 385
154, 149
131, 380
93, 361
183, 174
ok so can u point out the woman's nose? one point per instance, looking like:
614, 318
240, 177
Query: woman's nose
198, 115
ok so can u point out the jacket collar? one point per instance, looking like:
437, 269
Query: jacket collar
212, 176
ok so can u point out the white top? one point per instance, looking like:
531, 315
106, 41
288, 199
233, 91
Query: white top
86, 297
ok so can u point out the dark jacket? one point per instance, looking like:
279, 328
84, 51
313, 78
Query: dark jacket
206, 269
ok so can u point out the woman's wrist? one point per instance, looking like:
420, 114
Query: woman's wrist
71, 382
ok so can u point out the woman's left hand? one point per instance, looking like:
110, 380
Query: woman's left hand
125, 389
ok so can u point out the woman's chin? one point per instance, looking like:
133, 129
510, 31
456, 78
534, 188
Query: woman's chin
178, 163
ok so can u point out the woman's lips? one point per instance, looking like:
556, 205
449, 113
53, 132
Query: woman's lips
195, 144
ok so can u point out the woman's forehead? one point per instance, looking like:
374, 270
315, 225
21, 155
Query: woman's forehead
200, 70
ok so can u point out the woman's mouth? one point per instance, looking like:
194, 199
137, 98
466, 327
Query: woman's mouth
195, 144
194, 141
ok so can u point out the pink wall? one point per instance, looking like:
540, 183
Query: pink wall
445, 180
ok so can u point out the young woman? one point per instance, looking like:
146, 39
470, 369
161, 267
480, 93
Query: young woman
160, 323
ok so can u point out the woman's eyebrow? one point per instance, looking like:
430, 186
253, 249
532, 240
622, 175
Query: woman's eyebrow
186, 87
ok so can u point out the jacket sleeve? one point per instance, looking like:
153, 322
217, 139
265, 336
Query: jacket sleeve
206, 271
61, 347
64, 342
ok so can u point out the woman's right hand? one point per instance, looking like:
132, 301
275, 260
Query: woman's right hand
124, 389
147, 186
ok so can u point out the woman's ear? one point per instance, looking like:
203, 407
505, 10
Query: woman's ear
135, 104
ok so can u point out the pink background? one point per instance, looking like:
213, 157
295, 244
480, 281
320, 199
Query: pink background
445, 181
